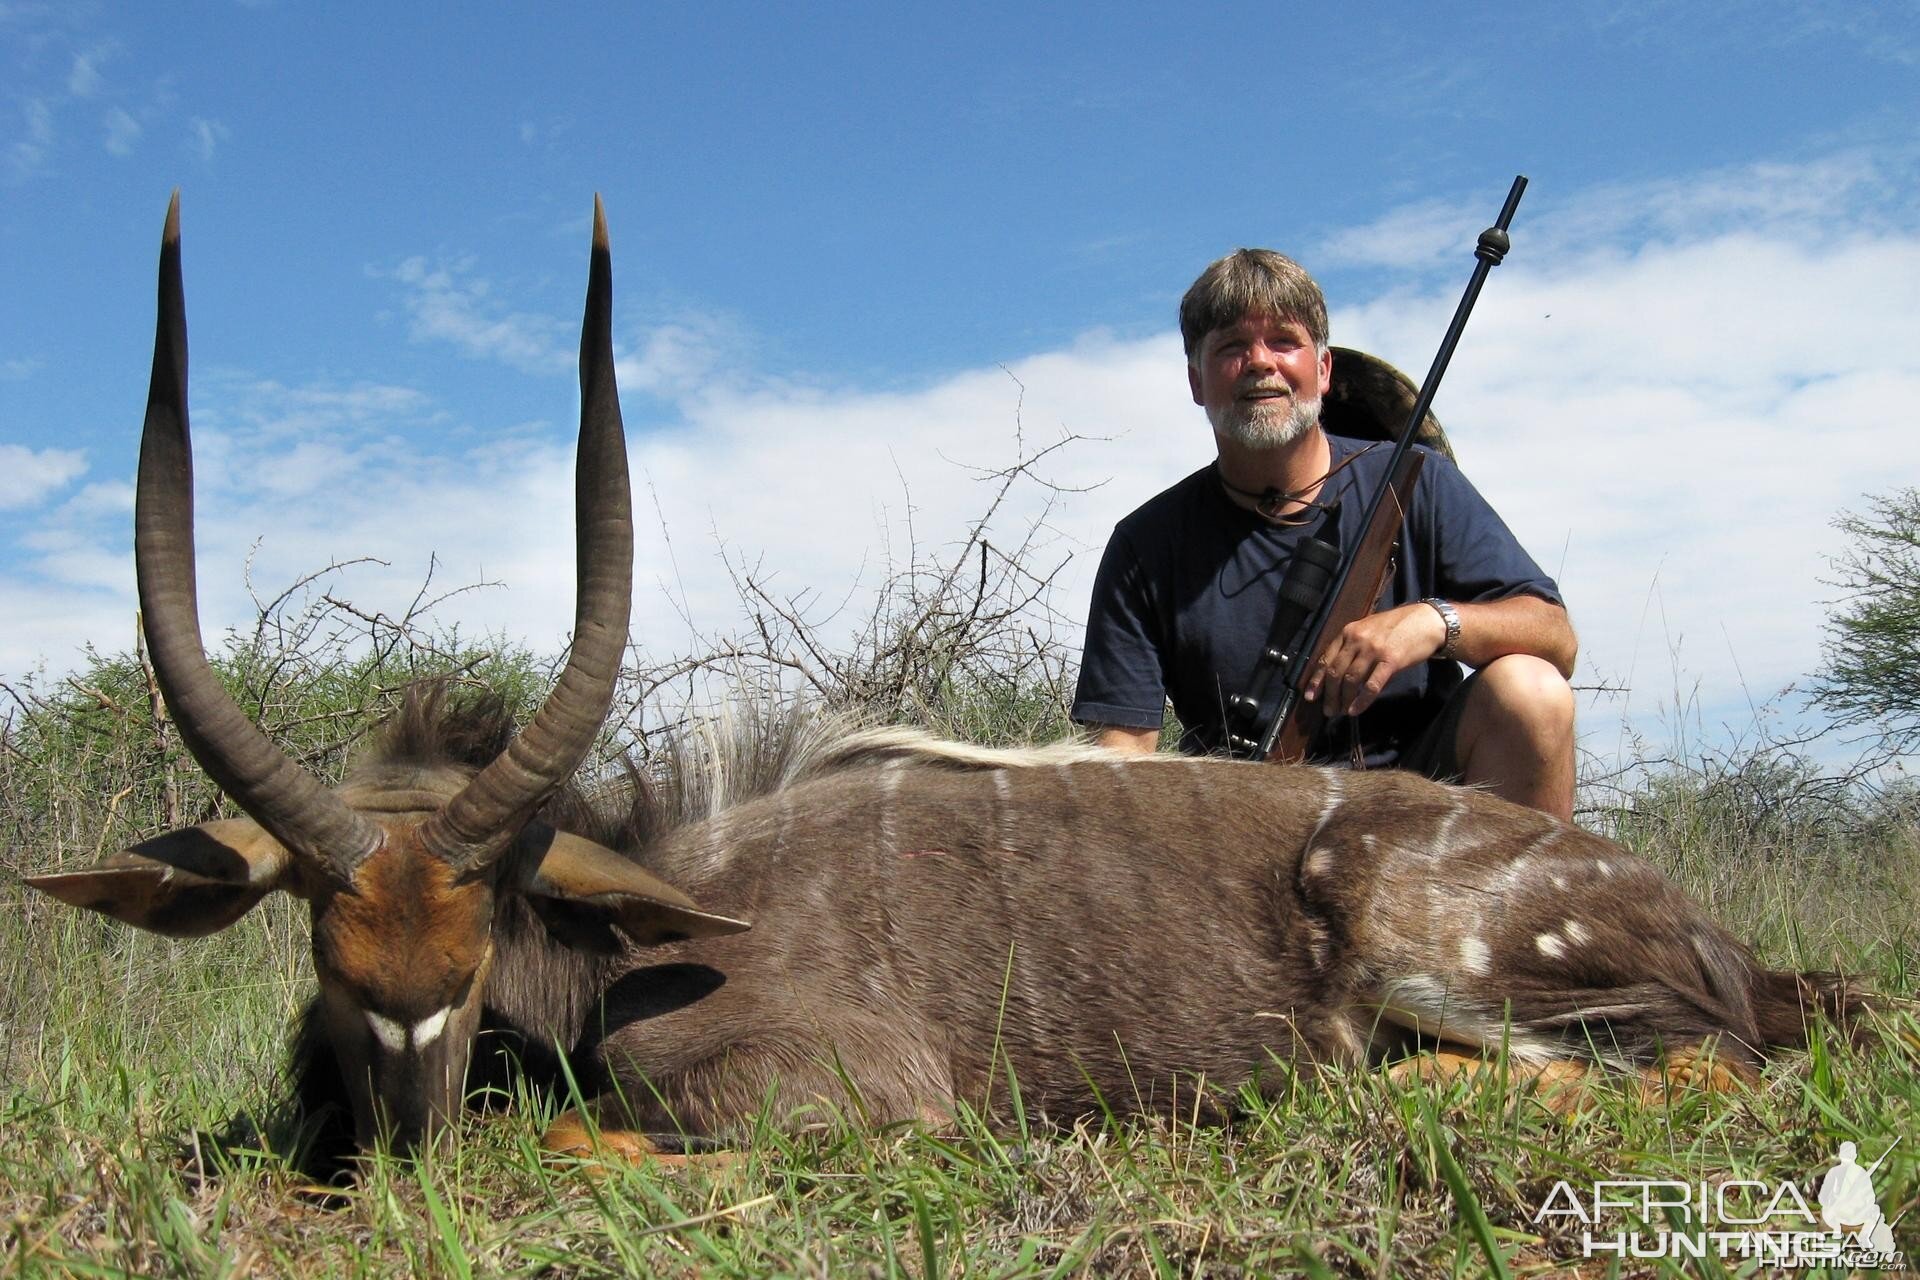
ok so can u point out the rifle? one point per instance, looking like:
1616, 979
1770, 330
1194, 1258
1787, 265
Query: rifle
1321, 593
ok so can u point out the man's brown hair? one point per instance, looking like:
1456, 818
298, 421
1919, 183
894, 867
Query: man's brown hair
1252, 282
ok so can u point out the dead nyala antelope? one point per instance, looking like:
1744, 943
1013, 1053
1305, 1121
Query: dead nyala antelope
933, 923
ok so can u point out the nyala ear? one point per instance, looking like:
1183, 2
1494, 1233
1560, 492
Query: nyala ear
184, 884
580, 889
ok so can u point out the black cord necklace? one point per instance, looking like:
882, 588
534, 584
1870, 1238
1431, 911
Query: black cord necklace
1270, 500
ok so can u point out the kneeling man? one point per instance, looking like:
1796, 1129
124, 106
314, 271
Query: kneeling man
1186, 589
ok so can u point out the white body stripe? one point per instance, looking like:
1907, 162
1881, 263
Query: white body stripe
1002, 810
1332, 802
890, 777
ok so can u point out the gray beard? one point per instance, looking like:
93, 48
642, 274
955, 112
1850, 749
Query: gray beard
1259, 426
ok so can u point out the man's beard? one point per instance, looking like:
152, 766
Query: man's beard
1260, 425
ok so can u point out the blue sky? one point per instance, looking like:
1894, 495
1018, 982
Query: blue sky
845, 240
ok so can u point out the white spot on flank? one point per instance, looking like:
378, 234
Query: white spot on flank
1474, 957
1577, 932
1604, 867
428, 1029
387, 1032
1319, 862
1508, 879
1560, 883
1550, 946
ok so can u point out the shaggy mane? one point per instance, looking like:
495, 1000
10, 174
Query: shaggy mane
742, 755
757, 751
435, 725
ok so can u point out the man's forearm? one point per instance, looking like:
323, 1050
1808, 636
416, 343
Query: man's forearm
1518, 624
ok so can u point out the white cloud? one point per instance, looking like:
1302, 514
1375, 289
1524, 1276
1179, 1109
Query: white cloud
83, 80
281, 413
108, 498
677, 358
449, 303
28, 152
1848, 192
204, 137
1420, 235
50, 624
123, 132
27, 476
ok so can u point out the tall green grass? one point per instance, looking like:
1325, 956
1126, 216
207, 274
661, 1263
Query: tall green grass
137, 1074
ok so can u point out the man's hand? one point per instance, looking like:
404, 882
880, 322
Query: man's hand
1370, 652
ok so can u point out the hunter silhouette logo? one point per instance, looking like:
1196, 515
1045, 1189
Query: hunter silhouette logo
1741, 1219
1847, 1203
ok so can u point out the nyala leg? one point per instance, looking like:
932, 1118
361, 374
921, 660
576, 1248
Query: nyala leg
1696, 1067
593, 1132
1559, 1084
1563, 1085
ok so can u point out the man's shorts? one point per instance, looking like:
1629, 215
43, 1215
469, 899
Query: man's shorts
1434, 754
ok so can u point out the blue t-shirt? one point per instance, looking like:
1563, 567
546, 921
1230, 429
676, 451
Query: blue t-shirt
1187, 589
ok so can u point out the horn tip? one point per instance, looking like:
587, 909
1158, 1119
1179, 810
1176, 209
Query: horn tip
171, 234
599, 223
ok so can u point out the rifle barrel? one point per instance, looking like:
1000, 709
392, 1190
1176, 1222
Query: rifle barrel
1491, 248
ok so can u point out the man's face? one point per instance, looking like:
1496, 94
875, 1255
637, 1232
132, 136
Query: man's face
1260, 380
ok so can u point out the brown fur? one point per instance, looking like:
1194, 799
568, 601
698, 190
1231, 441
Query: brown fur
927, 922
407, 934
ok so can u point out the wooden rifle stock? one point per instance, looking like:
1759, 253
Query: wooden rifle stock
1355, 597
1293, 722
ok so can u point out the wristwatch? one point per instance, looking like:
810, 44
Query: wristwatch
1450, 616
